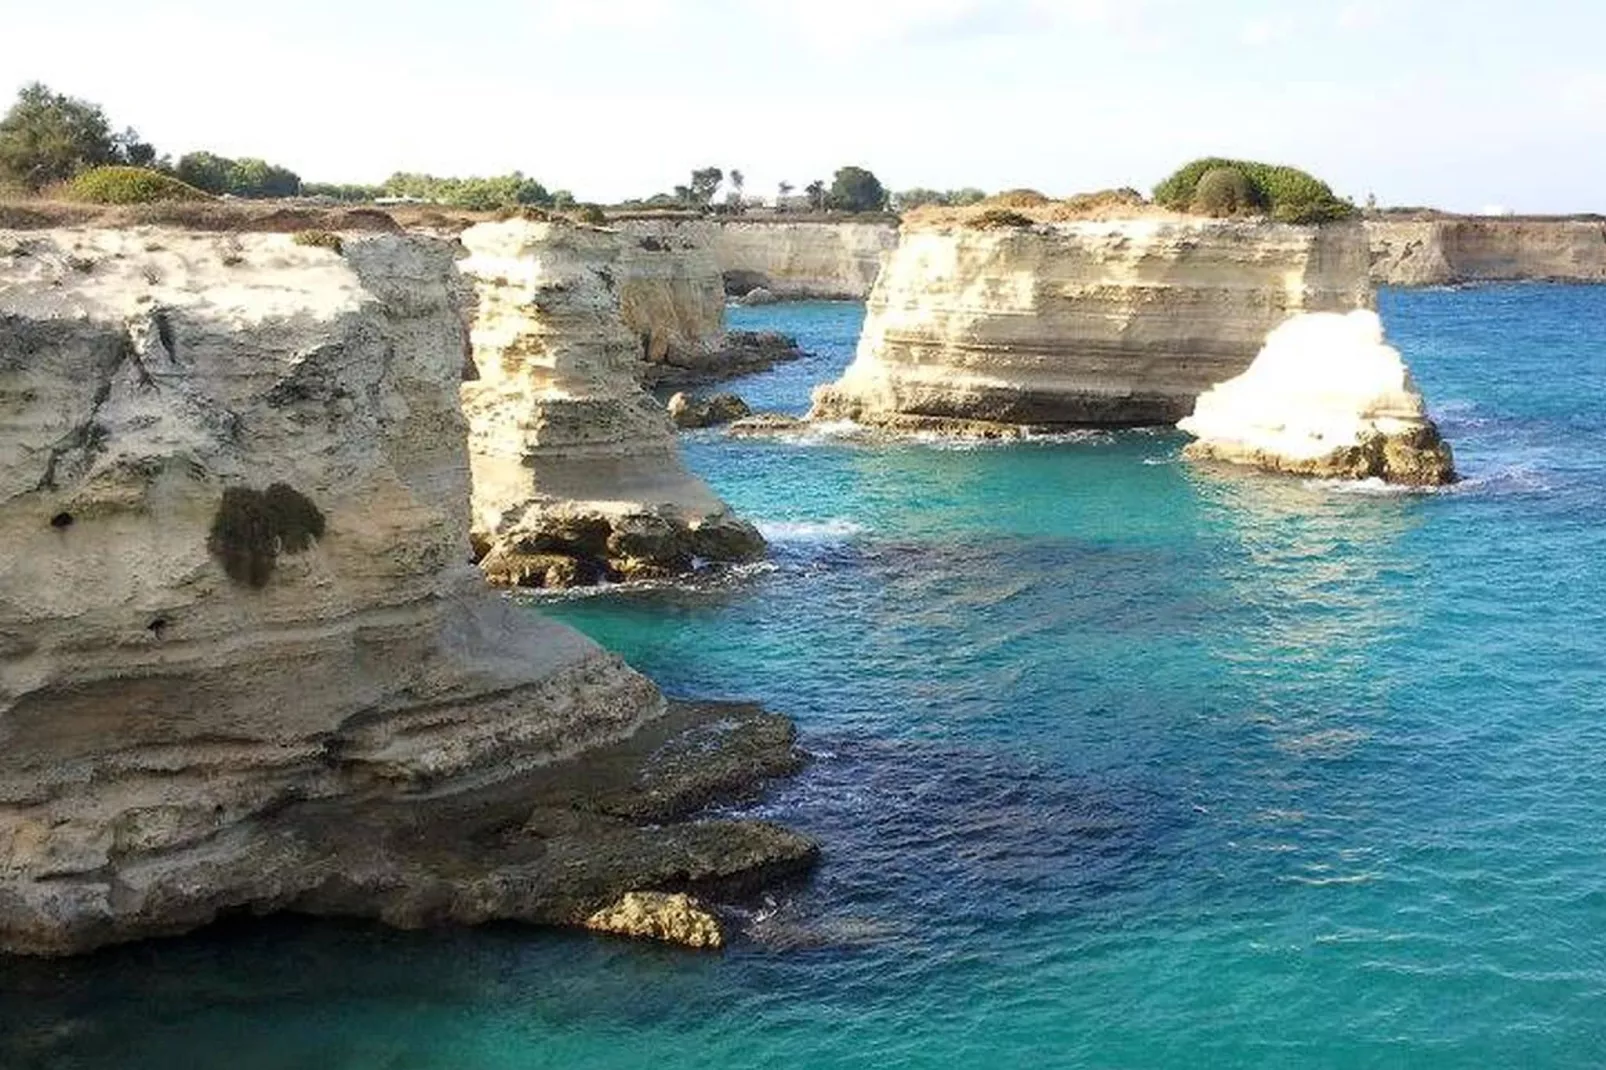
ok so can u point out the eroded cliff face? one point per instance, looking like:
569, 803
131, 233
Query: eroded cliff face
577, 473
1108, 323
672, 298
794, 261
235, 585
1448, 251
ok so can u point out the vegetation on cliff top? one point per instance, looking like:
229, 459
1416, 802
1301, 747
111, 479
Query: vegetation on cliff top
49, 137
129, 185
1287, 194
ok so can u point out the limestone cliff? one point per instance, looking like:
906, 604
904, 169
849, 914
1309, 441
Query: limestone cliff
793, 261
577, 473
1110, 322
1450, 250
1325, 397
244, 661
672, 298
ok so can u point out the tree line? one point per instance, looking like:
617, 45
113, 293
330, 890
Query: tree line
49, 138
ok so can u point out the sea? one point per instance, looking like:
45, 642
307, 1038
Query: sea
1117, 761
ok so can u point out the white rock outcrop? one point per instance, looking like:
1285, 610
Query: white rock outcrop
237, 614
1327, 396
793, 261
1110, 322
1462, 249
577, 471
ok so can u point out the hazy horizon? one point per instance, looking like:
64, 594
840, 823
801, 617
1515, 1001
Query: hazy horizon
1462, 107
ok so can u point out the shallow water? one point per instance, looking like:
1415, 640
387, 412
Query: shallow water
1118, 762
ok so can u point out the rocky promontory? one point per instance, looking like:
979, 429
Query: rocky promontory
245, 664
577, 473
1442, 250
1093, 322
790, 260
1326, 397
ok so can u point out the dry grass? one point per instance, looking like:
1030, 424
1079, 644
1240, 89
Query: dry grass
18, 213
1105, 204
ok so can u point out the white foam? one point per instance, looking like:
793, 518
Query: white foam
809, 531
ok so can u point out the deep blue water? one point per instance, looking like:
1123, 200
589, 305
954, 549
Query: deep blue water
1118, 763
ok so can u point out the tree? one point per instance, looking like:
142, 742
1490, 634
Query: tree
738, 180
816, 193
48, 137
205, 170
782, 191
855, 189
705, 183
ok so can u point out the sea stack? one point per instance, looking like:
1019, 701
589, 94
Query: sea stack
577, 474
1326, 397
996, 320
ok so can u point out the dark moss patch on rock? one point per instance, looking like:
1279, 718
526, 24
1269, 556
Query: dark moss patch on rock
252, 527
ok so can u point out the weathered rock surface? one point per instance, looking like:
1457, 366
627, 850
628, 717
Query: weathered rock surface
1326, 397
1098, 323
1447, 251
242, 653
570, 456
673, 918
793, 261
672, 297
689, 413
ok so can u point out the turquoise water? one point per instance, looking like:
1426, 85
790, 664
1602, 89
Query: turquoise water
1118, 763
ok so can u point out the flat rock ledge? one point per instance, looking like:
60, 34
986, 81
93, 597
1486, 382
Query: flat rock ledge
553, 845
1418, 457
690, 413
575, 548
740, 353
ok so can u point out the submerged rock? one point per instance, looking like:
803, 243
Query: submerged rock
1326, 397
674, 918
690, 413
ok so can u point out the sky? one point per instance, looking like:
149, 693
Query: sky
1459, 104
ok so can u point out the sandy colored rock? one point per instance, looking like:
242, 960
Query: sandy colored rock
1460, 249
569, 454
690, 413
793, 261
1089, 323
1326, 397
673, 918
179, 674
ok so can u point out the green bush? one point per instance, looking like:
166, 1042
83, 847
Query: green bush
1225, 191
252, 528
130, 185
1287, 193
592, 214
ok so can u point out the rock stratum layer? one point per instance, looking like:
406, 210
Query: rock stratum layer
1326, 397
793, 261
577, 472
1448, 251
244, 662
1110, 323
